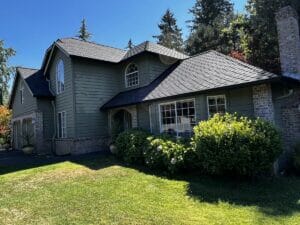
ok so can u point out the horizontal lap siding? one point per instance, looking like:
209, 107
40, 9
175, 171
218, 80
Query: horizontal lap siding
239, 100
65, 100
46, 108
95, 84
143, 116
30, 103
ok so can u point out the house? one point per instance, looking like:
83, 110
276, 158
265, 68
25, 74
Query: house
84, 92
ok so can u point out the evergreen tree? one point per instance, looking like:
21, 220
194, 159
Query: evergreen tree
261, 43
170, 35
130, 44
83, 33
205, 12
210, 18
5, 70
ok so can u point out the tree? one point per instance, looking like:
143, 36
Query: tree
205, 12
261, 43
170, 35
210, 18
130, 44
83, 33
5, 70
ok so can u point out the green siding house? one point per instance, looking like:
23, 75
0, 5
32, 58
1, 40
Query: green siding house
85, 91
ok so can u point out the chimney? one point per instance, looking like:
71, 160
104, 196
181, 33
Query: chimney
289, 41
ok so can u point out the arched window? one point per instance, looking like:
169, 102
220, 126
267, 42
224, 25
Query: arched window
131, 76
60, 77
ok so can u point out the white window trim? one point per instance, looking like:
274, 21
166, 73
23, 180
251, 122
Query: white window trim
127, 74
58, 89
174, 102
62, 136
215, 96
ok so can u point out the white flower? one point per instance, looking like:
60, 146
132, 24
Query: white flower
173, 161
159, 148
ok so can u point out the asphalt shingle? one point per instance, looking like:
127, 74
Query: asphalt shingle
207, 71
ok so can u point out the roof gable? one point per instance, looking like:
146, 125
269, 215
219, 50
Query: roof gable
35, 82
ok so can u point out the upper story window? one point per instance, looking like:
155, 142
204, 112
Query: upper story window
22, 94
216, 104
131, 76
60, 77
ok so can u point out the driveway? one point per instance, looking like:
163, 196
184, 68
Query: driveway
18, 158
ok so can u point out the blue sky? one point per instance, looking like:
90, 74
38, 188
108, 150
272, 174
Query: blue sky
31, 26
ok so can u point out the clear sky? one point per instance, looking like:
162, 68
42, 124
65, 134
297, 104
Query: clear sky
31, 26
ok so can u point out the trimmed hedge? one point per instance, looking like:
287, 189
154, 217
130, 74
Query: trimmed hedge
224, 145
236, 146
131, 144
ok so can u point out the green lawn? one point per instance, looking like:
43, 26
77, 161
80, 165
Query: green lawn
103, 191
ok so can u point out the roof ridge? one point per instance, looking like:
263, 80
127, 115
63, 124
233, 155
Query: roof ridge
92, 42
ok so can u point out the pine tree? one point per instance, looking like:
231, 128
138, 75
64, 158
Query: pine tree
130, 44
83, 33
5, 70
261, 45
170, 35
210, 18
205, 12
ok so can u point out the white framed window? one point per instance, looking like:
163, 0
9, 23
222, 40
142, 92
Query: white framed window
131, 75
178, 117
22, 95
216, 104
60, 77
62, 124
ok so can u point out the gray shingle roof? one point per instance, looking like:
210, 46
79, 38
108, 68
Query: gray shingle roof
154, 48
36, 81
207, 71
91, 50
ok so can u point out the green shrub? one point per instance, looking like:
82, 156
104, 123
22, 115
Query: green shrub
296, 158
236, 146
165, 153
131, 144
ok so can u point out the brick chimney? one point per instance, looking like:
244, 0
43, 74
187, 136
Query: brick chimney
289, 41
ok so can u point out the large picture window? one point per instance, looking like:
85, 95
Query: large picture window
60, 77
62, 125
132, 76
178, 118
216, 104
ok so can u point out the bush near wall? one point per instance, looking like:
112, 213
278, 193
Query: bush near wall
236, 146
224, 145
131, 144
5, 133
296, 158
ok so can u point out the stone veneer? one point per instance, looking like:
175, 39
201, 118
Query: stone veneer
262, 102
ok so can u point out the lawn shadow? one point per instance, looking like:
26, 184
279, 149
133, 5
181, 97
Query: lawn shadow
275, 197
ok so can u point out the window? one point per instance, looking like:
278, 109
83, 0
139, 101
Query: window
131, 76
60, 77
216, 104
22, 94
178, 118
62, 124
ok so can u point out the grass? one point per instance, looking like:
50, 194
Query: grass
103, 191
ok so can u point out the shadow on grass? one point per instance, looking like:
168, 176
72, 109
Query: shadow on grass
275, 197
